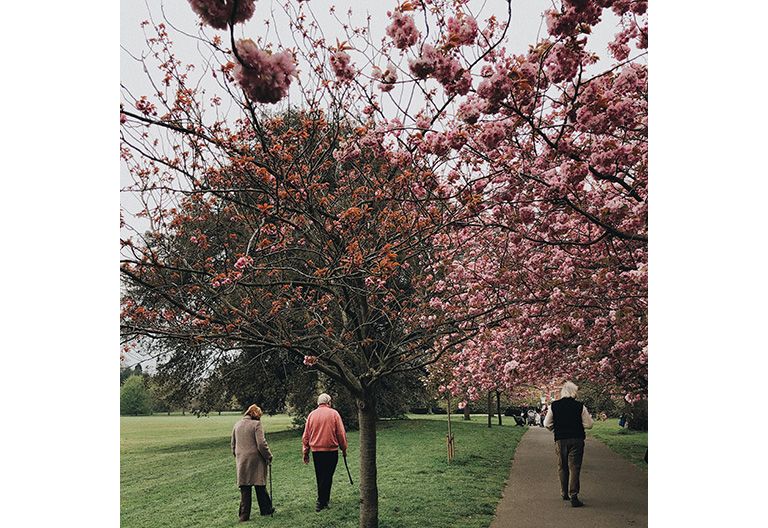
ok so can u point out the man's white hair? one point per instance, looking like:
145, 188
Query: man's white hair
569, 390
323, 398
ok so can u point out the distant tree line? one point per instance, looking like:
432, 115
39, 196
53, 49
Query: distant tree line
278, 385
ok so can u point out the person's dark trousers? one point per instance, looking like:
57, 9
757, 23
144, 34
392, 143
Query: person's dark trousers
265, 502
570, 452
325, 466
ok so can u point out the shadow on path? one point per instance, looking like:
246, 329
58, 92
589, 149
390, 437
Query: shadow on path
614, 491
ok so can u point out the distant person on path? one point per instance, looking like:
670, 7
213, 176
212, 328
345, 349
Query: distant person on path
531, 417
252, 454
568, 418
622, 420
323, 435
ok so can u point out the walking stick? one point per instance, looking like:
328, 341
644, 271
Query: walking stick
271, 496
348, 473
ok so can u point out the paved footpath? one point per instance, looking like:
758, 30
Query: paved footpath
615, 492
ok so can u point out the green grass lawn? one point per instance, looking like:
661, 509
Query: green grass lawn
629, 444
178, 471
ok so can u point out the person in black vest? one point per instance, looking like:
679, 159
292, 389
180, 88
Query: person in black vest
568, 418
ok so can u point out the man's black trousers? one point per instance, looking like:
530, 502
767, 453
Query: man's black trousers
325, 466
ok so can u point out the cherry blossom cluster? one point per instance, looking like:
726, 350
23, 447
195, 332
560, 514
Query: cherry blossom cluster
491, 135
462, 30
340, 62
144, 106
387, 77
243, 262
221, 13
470, 110
446, 69
265, 77
402, 30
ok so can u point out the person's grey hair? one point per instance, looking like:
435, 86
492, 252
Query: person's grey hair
569, 390
323, 398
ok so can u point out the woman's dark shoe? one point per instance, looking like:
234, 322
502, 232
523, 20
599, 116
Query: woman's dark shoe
575, 502
566, 497
319, 506
270, 512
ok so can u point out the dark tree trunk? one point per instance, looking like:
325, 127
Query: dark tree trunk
490, 408
498, 405
466, 412
369, 491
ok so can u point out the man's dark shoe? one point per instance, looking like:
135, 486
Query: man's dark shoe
575, 502
566, 497
270, 512
319, 506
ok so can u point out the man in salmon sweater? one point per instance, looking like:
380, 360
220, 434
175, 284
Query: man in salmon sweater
324, 435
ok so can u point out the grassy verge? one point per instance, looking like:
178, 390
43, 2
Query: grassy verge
629, 444
177, 471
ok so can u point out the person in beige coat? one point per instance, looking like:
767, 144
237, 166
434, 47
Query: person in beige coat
251, 451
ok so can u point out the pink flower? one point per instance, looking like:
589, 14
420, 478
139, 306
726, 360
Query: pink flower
470, 110
388, 78
341, 67
491, 135
446, 69
618, 47
310, 360
461, 405
217, 13
437, 143
242, 262
526, 215
265, 77
509, 366
402, 30
562, 62
462, 30
425, 65
145, 107
461, 85
456, 139
494, 90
